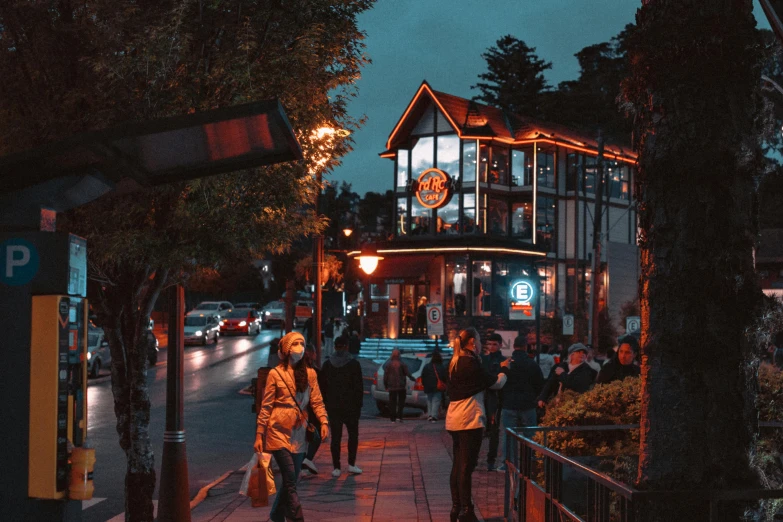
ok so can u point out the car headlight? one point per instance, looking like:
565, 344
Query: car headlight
243, 323
199, 333
89, 355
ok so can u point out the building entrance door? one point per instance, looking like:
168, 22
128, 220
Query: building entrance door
413, 322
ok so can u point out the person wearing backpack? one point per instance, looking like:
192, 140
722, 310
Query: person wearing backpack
434, 379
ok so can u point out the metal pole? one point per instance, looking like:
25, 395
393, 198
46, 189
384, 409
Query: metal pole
538, 316
597, 228
174, 503
318, 263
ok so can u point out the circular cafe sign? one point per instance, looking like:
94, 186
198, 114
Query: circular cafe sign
434, 188
522, 292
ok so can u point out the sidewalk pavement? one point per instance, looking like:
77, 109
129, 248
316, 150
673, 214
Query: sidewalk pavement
405, 477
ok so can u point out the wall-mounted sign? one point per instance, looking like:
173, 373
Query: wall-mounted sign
435, 319
522, 292
568, 324
434, 188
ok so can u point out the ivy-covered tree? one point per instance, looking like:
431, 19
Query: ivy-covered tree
514, 80
695, 95
69, 67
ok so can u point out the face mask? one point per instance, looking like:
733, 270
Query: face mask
295, 357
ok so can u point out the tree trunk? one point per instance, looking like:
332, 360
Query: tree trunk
124, 310
694, 93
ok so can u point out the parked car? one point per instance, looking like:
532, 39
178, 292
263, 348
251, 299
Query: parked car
302, 312
98, 353
215, 307
200, 328
414, 393
153, 347
274, 314
254, 306
241, 320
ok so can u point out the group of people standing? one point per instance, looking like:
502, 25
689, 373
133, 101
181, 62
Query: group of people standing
301, 406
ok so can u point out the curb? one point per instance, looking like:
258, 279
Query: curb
202, 493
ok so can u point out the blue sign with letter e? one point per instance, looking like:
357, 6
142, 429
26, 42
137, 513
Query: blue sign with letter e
19, 262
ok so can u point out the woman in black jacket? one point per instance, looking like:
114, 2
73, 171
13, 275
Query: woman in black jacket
466, 418
432, 374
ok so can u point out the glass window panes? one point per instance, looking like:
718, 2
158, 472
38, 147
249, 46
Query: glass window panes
482, 288
613, 177
522, 167
522, 220
497, 217
498, 168
420, 218
456, 285
422, 156
402, 168
402, 216
379, 291
448, 155
546, 167
468, 213
547, 295
573, 161
589, 179
426, 124
447, 221
468, 161
545, 223
483, 162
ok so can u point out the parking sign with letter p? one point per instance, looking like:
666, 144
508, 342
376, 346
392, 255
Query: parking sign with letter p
19, 262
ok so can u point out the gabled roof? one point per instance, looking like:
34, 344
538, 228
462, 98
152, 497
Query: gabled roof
471, 119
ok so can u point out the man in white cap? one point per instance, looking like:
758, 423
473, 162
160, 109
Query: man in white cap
574, 374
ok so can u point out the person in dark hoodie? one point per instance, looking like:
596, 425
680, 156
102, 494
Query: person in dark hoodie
525, 381
311, 359
394, 374
622, 364
342, 387
466, 418
490, 361
434, 378
575, 375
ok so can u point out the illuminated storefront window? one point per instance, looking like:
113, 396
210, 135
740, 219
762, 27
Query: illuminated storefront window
497, 218
420, 218
456, 285
448, 155
545, 223
448, 218
546, 167
482, 288
522, 167
498, 166
402, 169
522, 219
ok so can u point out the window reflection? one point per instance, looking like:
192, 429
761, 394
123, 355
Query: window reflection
402, 168
483, 162
448, 155
448, 218
497, 217
456, 285
422, 156
469, 213
498, 167
617, 174
482, 288
545, 223
468, 161
573, 164
522, 220
420, 218
402, 216
589, 179
546, 167
522, 167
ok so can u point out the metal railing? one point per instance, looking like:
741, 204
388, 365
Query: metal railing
535, 489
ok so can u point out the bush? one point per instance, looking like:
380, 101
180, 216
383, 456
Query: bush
606, 404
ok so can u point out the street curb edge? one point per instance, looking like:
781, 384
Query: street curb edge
202, 493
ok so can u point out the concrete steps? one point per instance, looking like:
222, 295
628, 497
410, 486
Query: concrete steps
380, 349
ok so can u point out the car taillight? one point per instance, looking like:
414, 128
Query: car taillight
375, 379
418, 386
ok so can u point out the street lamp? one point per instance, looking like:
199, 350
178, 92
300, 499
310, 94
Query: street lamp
368, 261
347, 231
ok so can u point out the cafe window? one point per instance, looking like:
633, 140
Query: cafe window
422, 156
402, 168
468, 213
522, 167
546, 167
482, 288
447, 221
498, 166
573, 164
379, 291
420, 218
402, 216
483, 159
448, 155
456, 285
496, 222
618, 176
522, 220
547, 296
468, 161
545, 223
589, 178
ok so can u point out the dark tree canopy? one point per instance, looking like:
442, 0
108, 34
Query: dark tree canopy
514, 80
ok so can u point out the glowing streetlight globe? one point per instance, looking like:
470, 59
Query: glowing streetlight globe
368, 260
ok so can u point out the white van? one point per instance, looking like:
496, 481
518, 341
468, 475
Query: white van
98, 353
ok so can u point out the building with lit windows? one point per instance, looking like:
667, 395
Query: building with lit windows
486, 199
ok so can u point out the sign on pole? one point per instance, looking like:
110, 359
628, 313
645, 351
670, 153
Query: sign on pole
633, 325
435, 319
18, 262
568, 324
521, 306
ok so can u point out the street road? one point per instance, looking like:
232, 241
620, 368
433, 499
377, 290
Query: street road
219, 426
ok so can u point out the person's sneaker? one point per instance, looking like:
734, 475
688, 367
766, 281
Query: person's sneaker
310, 466
354, 470
429, 418
395, 420
336, 473
433, 419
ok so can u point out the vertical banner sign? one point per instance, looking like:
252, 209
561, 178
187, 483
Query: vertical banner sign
63, 349
435, 319
568, 324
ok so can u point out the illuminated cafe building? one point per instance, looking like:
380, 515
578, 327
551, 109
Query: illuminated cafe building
486, 199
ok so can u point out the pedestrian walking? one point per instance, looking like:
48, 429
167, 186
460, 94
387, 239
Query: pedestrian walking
421, 317
307, 330
339, 329
281, 425
328, 347
309, 466
622, 364
466, 418
490, 361
354, 344
524, 384
342, 387
575, 375
273, 360
395, 373
434, 379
